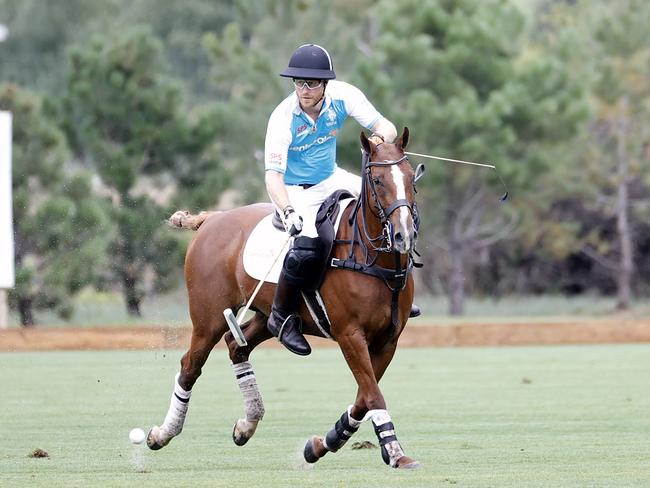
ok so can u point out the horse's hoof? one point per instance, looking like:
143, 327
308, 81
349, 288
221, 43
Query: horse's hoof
238, 437
152, 439
314, 449
407, 463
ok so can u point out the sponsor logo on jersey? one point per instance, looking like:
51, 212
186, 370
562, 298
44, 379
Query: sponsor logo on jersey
302, 131
331, 117
304, 147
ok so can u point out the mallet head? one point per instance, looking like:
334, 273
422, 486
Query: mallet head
234, 327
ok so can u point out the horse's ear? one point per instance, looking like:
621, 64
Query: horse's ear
404, 139
365, 143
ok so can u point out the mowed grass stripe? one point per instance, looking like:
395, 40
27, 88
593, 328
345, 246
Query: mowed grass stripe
534, 416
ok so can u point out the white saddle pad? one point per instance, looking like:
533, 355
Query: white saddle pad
264, 244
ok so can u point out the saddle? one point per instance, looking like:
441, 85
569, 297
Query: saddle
266, 240
327, 218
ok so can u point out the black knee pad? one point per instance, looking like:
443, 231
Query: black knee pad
303, 264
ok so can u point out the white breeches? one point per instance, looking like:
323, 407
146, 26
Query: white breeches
306, 202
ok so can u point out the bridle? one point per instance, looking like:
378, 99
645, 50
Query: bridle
383, 214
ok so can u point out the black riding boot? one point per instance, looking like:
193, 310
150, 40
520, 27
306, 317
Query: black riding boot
284, 323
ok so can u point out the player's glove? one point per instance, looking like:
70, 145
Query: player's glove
292, 221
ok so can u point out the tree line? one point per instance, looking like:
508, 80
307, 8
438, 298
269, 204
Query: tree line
126, 110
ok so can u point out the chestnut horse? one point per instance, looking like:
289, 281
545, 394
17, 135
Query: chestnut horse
367, 309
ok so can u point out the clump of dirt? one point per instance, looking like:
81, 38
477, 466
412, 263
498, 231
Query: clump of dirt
39, 453
363, 445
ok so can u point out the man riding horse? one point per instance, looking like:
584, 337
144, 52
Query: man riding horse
301, 172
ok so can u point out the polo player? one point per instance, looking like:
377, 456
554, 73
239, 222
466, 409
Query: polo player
301, 172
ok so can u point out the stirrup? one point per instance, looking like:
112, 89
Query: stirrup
290, 334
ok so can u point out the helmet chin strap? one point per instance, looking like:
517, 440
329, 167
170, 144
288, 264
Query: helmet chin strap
323, 95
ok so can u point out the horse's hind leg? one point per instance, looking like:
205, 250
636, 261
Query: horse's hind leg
367, 369
255, 332
202, 342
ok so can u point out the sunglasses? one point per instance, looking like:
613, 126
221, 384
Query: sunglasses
308, 84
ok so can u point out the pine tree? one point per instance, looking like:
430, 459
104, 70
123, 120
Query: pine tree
61, 227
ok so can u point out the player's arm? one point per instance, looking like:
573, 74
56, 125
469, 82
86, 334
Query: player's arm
276, 148
278, 193
276, 189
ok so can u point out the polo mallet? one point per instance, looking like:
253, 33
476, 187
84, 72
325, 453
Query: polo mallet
471, 163
234, 323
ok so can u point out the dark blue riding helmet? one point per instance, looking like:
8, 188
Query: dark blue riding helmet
310, 61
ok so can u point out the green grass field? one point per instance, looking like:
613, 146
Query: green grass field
497, 417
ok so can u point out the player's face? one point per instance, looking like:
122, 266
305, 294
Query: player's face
309, 92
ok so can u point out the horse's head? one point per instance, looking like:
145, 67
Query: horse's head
389, 191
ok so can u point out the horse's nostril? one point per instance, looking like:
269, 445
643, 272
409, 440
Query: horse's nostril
398, 237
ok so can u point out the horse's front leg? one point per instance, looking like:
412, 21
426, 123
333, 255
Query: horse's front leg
202, 342
255, 332
369, 405
391, 449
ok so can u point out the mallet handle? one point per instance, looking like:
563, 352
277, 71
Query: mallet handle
243, 311
452, 160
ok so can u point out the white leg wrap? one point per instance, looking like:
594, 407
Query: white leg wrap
253, 403
173, 424
391, 448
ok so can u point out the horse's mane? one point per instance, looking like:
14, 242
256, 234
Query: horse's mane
183, 219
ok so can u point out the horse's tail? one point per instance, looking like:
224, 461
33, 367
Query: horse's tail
182, 219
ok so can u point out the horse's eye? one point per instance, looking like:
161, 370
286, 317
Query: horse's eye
376, 180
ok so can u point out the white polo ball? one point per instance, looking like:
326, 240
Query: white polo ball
137, 435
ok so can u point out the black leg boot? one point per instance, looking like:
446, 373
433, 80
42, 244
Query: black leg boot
284, 323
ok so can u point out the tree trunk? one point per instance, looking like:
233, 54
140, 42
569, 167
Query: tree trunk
626, 263
131, 295
25, 308
456, 285
456, 281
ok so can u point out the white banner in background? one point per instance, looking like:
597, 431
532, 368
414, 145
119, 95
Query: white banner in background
7, 277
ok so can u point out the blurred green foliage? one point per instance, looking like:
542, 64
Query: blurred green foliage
126, 119
166, 104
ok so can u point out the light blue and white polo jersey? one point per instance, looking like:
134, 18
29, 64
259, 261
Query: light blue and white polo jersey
304, 150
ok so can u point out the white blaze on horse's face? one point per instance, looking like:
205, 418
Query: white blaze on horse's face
404, 231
